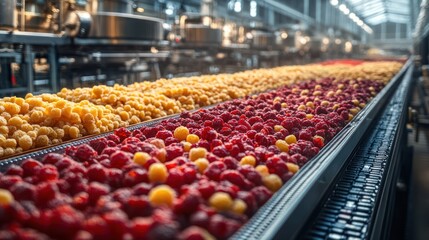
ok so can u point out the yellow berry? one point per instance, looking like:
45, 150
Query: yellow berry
141, 158
239, 206
10, 143
56, 113
159, 143
292, 167
192, 138
162, 195
187, 146
310, 104
284, 105
272, 182
290, 139
221, 201
262, 170
15, 121
6, 198
248, 160
161, 154
74, 132
282, 145
158, 173
42, 141
309, 116
201, 164
181, 133
25, 142
277, 128
196, 153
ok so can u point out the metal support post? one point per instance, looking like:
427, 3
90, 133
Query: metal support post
53, 69
28, 61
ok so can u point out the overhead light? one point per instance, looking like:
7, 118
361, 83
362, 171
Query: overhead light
360, 23
334, 2
352, 15
343, 8
169, 11
140, 9
337, 41
237, 6
253, 8
283, 35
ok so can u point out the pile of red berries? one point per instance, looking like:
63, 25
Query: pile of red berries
199, 176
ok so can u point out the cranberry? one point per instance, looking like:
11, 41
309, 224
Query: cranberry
234, 177
114, 177
187, 203
64, 163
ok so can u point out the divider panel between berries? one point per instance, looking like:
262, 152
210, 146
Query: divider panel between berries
199, 176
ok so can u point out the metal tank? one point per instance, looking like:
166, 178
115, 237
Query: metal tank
8, 14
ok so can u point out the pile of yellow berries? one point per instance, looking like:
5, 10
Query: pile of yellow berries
47, 119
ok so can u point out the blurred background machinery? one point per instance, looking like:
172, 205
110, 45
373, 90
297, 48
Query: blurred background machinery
49, 44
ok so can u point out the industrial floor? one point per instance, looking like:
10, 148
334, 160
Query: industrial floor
418, 202
418, 227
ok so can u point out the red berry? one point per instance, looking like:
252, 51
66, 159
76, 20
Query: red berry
31, 167
15, 170
97, 173
48, 173
119, 159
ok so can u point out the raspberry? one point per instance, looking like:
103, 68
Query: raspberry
97, 190
48, 173
135, 176
164, 134
173, 152
214, 170
15, 170
175, 178
122, 133
23, 191
52, 158
31, 167
97, 227
85, 152
45, 192
140, 227
261, 194
99, 144
119, 159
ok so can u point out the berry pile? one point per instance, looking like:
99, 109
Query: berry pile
40, 121
200, 176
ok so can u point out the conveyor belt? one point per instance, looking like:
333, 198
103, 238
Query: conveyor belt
288, 211
358, 204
